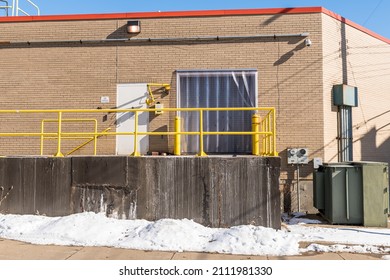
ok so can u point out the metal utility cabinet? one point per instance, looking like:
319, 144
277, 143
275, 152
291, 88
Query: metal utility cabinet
353, 193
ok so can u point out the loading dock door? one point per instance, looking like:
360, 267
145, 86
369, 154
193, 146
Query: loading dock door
131, 96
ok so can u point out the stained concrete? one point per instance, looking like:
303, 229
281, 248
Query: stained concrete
216, 191
35, 185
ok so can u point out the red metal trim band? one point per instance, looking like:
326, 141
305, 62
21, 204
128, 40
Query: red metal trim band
210, 13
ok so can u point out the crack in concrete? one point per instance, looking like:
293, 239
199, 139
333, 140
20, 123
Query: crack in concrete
74, 253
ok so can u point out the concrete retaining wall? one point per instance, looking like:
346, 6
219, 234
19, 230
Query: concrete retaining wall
213, 191
35, 185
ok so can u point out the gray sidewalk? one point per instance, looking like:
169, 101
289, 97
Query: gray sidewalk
16, 250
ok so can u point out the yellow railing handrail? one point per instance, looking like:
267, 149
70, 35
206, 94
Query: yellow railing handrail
87, 142
138, 109
263, 128
74, 120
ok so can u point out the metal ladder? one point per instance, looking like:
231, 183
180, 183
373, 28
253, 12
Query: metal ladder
15, 8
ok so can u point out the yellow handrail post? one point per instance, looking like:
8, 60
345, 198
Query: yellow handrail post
256, 136
268, 135
59, 154
275, 153
177, 143
263, 137
201, 151
95, 139
42, 130
135, 152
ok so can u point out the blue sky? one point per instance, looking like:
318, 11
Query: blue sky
372, 14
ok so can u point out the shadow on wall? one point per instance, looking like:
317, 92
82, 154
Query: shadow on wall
290, 184
119, 33
159, 143
369, 150
284, 58
276, 16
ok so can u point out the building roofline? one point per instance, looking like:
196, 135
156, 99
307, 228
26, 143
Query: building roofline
355, 25
200, 13
172, 14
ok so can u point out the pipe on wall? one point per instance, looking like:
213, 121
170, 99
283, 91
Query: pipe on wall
174, 39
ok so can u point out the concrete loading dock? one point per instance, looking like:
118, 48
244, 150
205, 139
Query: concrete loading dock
219, 191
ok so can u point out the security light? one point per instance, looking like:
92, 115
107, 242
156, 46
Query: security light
133, 27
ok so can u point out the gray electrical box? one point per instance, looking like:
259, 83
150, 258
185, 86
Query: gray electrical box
298, 156
344, 95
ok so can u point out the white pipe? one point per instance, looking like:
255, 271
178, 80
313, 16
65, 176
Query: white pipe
16, 9
38, 10
24, 12
13, 8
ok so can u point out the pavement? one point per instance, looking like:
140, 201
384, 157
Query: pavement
16, 250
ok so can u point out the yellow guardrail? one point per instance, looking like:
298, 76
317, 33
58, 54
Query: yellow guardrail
89, 138
263, 128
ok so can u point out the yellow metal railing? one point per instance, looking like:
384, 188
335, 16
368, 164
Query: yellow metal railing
151, 99
263, 128
89, 138
87, 142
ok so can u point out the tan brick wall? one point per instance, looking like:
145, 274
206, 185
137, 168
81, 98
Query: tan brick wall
41, 76
367, 61
76, 75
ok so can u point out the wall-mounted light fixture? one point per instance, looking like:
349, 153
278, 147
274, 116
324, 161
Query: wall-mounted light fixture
133, 27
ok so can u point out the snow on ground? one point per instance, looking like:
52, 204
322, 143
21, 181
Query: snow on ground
90, 229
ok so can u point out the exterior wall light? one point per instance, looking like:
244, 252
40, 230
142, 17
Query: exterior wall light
133, 27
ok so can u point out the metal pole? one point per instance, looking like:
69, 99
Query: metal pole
13, 8
59, 154
42, 137
201, 151
274, 153
256, 137
177, 144
136, 153
95, 139
298, 190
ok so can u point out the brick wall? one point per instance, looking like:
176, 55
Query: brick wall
365, 66
40, 76
295, 79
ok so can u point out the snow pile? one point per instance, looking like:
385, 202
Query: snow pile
90, 229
